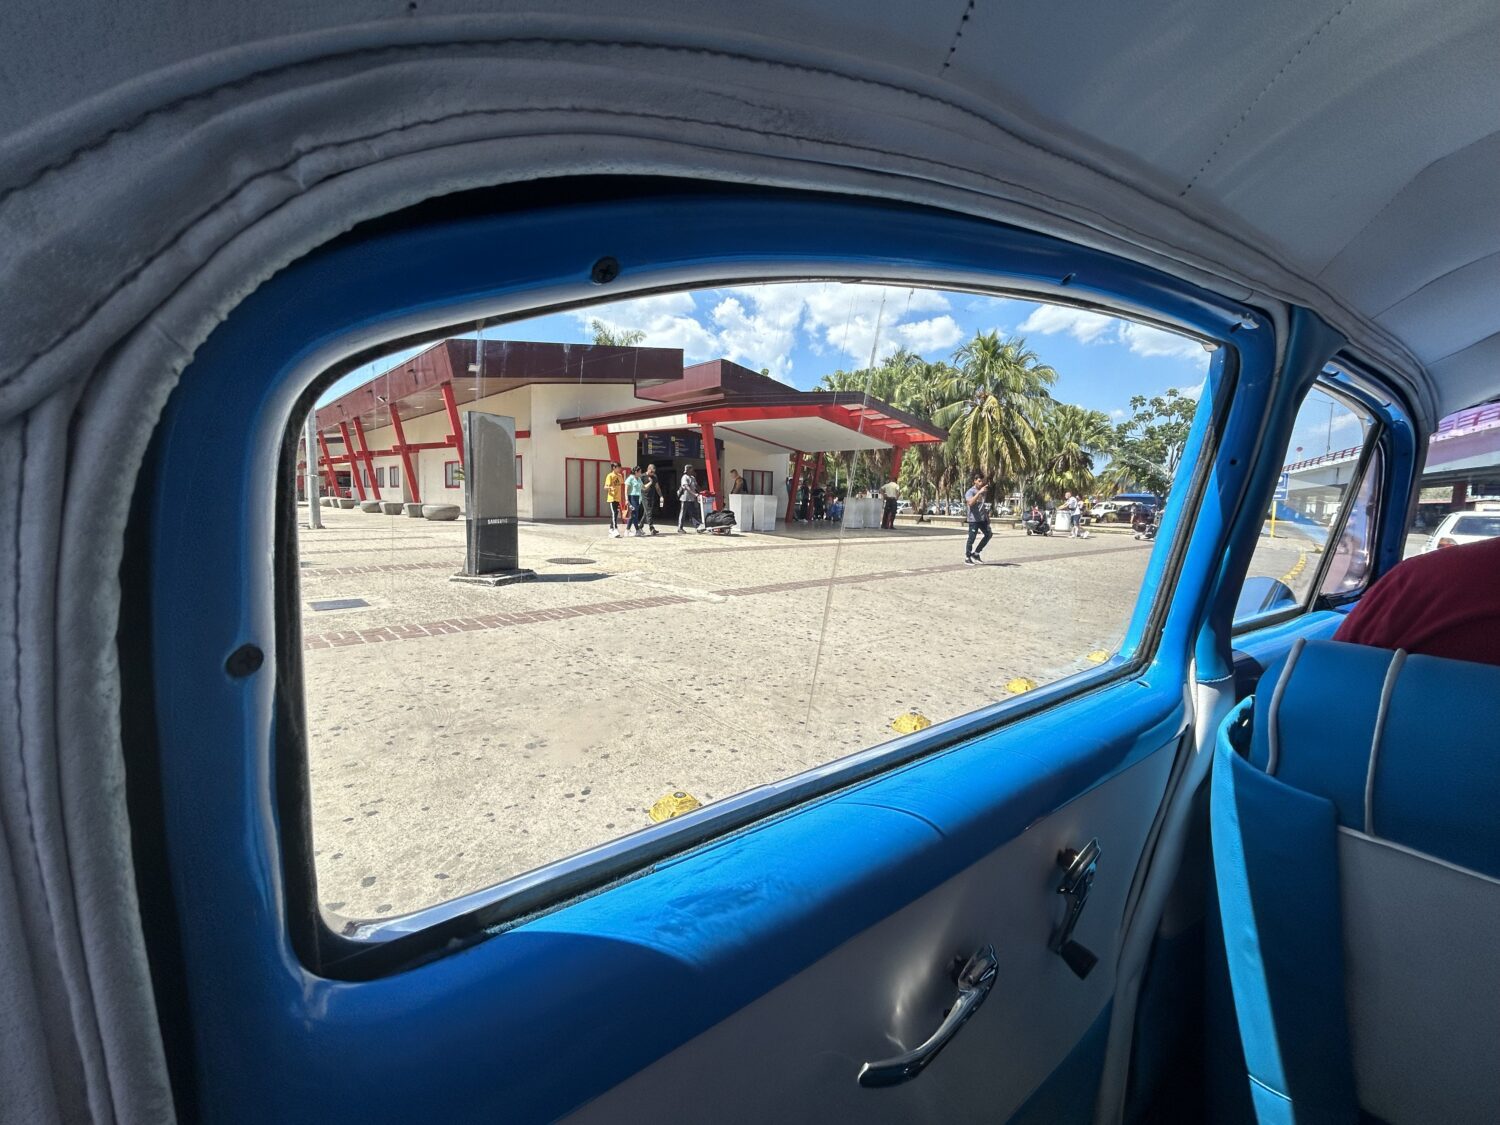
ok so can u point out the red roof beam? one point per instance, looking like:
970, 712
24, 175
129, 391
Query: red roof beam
359, 484
366, 456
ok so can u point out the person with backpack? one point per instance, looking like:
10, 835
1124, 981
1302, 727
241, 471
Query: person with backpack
687, 492
979, 520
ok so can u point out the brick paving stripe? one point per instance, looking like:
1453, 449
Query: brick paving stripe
410, 631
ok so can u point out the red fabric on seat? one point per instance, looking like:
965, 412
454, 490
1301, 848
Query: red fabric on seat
1444, 603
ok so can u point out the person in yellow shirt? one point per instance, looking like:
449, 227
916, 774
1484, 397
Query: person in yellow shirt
614, 493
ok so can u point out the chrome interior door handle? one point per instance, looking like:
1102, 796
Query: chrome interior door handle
975, 980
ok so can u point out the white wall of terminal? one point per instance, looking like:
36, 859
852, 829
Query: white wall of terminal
544, 454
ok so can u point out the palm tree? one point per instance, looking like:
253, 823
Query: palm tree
927, 471
1068, 440
615, 337
889, 382
994, 403
882, 382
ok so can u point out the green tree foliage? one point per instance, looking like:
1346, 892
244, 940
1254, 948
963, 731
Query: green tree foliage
904, 381
991, 397
994, 402
1148, 445
619, 338
1068, 440
994, 397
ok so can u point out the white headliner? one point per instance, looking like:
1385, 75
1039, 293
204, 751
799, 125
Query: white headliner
1354, 146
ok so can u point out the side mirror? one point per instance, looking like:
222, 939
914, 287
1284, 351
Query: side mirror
1262, 595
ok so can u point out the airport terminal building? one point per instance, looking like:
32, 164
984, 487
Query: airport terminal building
578, 407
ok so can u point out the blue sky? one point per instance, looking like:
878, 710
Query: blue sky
801, 331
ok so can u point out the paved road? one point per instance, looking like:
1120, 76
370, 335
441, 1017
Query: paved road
461, 734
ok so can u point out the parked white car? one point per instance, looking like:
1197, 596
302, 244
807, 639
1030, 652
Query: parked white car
1465, 527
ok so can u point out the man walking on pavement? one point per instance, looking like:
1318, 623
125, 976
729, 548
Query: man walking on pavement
614, 492
979, 520
687, 492
892, 492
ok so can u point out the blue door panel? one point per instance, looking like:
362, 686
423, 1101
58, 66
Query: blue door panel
667, 955
554, 1010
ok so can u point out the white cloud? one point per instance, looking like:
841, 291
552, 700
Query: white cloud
667, 319
1096, 328
841, 318
1084, 326
762, 336
927, 336
762, 325
1148, 341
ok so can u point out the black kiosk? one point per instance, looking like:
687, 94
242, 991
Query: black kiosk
492, 556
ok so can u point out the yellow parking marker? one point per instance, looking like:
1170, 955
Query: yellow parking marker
673, 804
910, 722
1019, 685
1291, 576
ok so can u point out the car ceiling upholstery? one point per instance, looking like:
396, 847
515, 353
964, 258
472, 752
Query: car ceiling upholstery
1354, 140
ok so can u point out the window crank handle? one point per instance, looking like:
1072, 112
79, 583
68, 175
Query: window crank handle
1079, 868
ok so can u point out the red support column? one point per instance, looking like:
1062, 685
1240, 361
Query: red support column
406, 459
351, 460
333, 481
456, 438
791, 500
366, 457
614, 448
897, 452
817, 474
711, 463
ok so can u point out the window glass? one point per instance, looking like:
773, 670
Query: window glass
1348, 571
1318, 473
1458, 476
1486, 526
656, 642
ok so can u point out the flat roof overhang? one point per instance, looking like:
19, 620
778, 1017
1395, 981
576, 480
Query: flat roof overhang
416, 387
794, 422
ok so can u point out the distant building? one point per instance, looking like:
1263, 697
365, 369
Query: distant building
576, 408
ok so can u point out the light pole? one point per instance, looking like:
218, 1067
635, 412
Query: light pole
310, 439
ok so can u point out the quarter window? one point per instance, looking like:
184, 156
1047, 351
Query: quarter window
1317, 531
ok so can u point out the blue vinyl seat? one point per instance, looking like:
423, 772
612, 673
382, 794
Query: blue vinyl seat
1356, 831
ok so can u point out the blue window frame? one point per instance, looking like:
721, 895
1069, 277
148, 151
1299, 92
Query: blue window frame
366, 281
